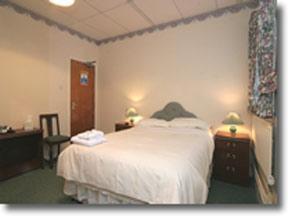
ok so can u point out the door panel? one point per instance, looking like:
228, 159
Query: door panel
82, 97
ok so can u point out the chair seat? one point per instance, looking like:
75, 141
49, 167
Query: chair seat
57, 139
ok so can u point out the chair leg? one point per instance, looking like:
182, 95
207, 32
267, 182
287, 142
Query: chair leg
42, 156
50, 157
58, 150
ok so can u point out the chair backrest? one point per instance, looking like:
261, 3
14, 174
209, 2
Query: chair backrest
49, 123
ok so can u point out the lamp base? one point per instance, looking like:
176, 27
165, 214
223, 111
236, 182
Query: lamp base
233, 129
132, 122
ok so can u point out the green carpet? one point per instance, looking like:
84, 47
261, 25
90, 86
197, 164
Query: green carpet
38, 186
43, 186
224, 193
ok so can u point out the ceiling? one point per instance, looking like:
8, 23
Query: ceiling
101, 19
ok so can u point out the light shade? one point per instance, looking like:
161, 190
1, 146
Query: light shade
131, 112
232, 119
132, 115
62, 3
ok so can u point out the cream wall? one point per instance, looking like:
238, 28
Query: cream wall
202, 65
35, 69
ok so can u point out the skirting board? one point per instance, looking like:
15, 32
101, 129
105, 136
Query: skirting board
267, 195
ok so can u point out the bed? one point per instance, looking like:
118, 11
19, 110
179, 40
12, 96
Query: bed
143, 165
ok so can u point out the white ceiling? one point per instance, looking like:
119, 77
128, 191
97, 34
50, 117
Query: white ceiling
101, 19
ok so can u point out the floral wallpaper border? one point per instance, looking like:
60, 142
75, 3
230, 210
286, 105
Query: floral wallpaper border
248, 4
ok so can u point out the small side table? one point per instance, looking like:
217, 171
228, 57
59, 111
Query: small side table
231, 158
122, 126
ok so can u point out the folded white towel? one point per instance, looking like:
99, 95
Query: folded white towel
97, 132
90, 142
92, 134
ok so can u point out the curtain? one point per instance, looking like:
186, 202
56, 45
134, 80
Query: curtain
262, 60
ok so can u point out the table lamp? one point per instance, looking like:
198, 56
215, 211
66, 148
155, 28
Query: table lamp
132, 115
232, 119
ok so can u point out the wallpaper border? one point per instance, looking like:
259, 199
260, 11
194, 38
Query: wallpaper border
37, 17
252, 4
201, 17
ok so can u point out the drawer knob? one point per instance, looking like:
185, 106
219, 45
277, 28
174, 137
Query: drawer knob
230, 155
233, 145
232, 169
228, 144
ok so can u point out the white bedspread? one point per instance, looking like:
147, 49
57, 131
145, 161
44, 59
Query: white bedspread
155, 165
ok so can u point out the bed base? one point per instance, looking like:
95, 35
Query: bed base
87, 194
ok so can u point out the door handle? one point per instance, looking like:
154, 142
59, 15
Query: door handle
73, 105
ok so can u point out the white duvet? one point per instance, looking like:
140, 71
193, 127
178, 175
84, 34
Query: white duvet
154, 165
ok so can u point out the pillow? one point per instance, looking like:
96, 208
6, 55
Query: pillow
153, 123
189, 123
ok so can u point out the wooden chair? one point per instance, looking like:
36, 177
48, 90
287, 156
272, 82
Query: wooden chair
52, 139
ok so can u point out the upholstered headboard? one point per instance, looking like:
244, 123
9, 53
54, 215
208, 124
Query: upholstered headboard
173, 110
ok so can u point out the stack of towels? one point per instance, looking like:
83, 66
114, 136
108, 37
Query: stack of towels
89, 138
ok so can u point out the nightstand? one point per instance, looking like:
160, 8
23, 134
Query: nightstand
231, 158
122, 126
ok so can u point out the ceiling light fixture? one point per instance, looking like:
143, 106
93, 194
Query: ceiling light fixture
62, 3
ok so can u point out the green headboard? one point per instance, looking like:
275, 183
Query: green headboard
173, 110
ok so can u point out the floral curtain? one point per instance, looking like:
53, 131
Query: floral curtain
262, 59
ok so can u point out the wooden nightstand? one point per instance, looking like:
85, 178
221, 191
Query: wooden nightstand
231, 158
122, 126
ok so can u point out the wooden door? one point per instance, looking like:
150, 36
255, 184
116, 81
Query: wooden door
82, 97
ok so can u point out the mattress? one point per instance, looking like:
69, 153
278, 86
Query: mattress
149, 165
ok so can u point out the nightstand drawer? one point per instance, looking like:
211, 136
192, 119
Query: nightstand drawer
222, 164
230, 157
232, 172
232, 146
